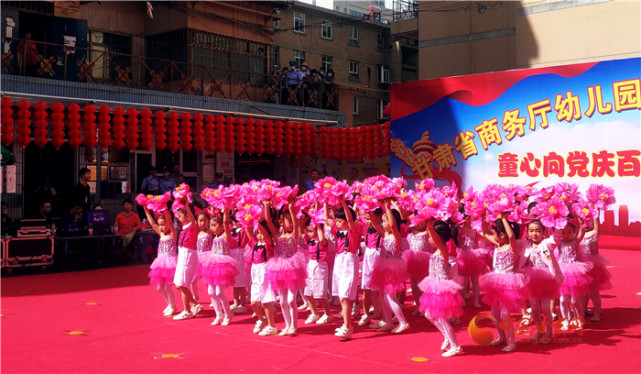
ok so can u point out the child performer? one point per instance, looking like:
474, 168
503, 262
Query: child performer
417, 259
576, 283
541, 268
390, 271
202, 245
504, 287
287, 270
373, 241
441, 299
219, 268
345, 277
471, 261
261, 295
187, 262
599, 273
239, 247
164, 266
317, 273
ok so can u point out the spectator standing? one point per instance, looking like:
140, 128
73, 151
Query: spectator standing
219, 180
328, 91
81, 193
179, 178
167, 182
151, 184
293, 80
309, 183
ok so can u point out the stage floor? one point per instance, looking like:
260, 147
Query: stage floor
110, 321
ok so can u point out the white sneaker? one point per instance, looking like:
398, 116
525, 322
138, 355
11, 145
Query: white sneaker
386, 327
268, 331
240, 309
312, 319
339, 328
303, 306
217, 321
196, 309
376, 325
324, 319
365, 320
259, 326
226, 322
400, 328
169, 311
344, 333
183, 315
453, 352
509, 348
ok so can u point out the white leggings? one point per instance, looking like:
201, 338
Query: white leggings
443, 325
503, 323
288, 307
167, 293
390, 308
219, 299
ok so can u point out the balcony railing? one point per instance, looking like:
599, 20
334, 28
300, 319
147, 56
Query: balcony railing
69, 63
405, 9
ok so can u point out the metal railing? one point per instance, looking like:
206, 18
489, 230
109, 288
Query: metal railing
70, 63
404, 9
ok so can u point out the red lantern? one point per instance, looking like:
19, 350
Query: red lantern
298, 139
387, 126
73, 125
230, 139
210, 134
241, 142
24, 123
40, 124
185, 131
260, 137
118, 129
57, 125
279, 138
172, 131
146, 138
314, 138
220, 133
160, 129
269, 137
132, 129
323, 141
199, 132
6, 130
250, 135
89, 128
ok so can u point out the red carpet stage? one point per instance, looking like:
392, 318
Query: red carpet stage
110, 321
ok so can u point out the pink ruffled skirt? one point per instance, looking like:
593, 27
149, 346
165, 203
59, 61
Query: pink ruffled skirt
389, 275
162, 271
600, 274
577, 279
418, 263
541, 284
287, 273
471, 262
218, 270
199, 269
243, 264
441, 298
504, 291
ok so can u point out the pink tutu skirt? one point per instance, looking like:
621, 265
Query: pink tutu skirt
218, 270
389, 275
471, 263
599, 273
504, 291
162, 271
287, 273
541, 284
577, 279
441, 298
199, 268
418, 263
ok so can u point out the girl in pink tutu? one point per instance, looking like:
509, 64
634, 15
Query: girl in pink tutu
187, 261
544, 277
417, 258
239, 253
219, 268
504, 288
287, 270
316, 288
389, 270
164, 266
441, 299
599, 273
203, 245
576, 283
372, 240
470, 260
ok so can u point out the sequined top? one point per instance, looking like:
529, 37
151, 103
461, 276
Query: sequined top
467, 240
220, 246
590, 245
204, 243
167, 247
286, 247
420, 243
504, 261
568, 252
536, 251
390, 248
439, 267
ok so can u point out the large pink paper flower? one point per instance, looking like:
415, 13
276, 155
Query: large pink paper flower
600, 196
406, 200
250, 216
183, 192
366, 202
553, 213
584, 210
305, 201
567, 192
142, 199
425, 185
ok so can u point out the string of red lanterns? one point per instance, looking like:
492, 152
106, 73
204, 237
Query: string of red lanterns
117, 128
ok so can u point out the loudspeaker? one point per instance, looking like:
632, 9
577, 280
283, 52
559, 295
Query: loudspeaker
31, 251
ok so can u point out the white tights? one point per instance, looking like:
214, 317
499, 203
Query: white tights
390, 308
504, 323
541, 314
443, 325
568, 301
219, 299
288, 307
168, 294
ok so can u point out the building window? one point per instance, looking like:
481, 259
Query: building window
380, 107
353, 70
100, 42
299, 22
277, 24
299, 57
355, 13
338, 8
383, 74
326, 29
355, 106
276, 55
353, 35
380, 40
326, 62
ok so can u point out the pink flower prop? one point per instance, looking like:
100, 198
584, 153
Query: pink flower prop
432, 205
317, 216
585, 210
544, 194
183, 192
567, 192
338, 190
366, 203
450, 191
305, 201
324, 188
406, 200
553, 213
425, 185
600, 196
356, 188
142, 199
250, 216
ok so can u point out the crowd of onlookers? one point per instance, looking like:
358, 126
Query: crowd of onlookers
303, 87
